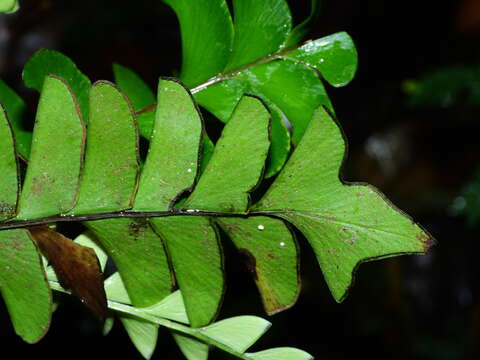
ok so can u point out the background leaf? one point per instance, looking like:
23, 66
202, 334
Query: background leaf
207, 35
139, 94
15, 107
50, 62
260, 27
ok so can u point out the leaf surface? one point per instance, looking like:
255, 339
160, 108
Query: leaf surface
142, 333
282, 353
139, 256
271, 255
76, 266
171, 165
23, 285
237, 161
139, 94
109, 180
238, 333
207, 36
197, 261
8, 168
15, 107
261, 28
345, 224
191, 348
50, 62
52, 178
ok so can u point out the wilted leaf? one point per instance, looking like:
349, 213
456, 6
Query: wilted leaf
76, 266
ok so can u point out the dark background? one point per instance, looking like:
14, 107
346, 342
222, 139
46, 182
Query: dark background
404, 308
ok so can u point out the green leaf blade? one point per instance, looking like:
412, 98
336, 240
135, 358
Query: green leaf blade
23, 285
207, 36
50, 62
109, 180
271, 255
197, 262
334, 56
261, 28
9, 183
345, 224
139, 255
238, 333
169, 172
190, 347
237, 161
15, 108
142, 334
281, 353
51, 181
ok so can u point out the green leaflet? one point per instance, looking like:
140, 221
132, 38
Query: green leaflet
8, 168
270, 253
15, 107
171, 165
334, 56
190, 347
345, 224
238, 333
207, 36
23, 285
142, 333
197, 261
139, 256
109, 179
50, 62
261, 28
237, 161
51, 181
282, 353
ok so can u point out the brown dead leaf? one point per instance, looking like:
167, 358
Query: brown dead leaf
76, 266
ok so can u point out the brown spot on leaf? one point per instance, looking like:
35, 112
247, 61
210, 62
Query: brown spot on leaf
250, 262
137, 228
76, 266
426, 240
